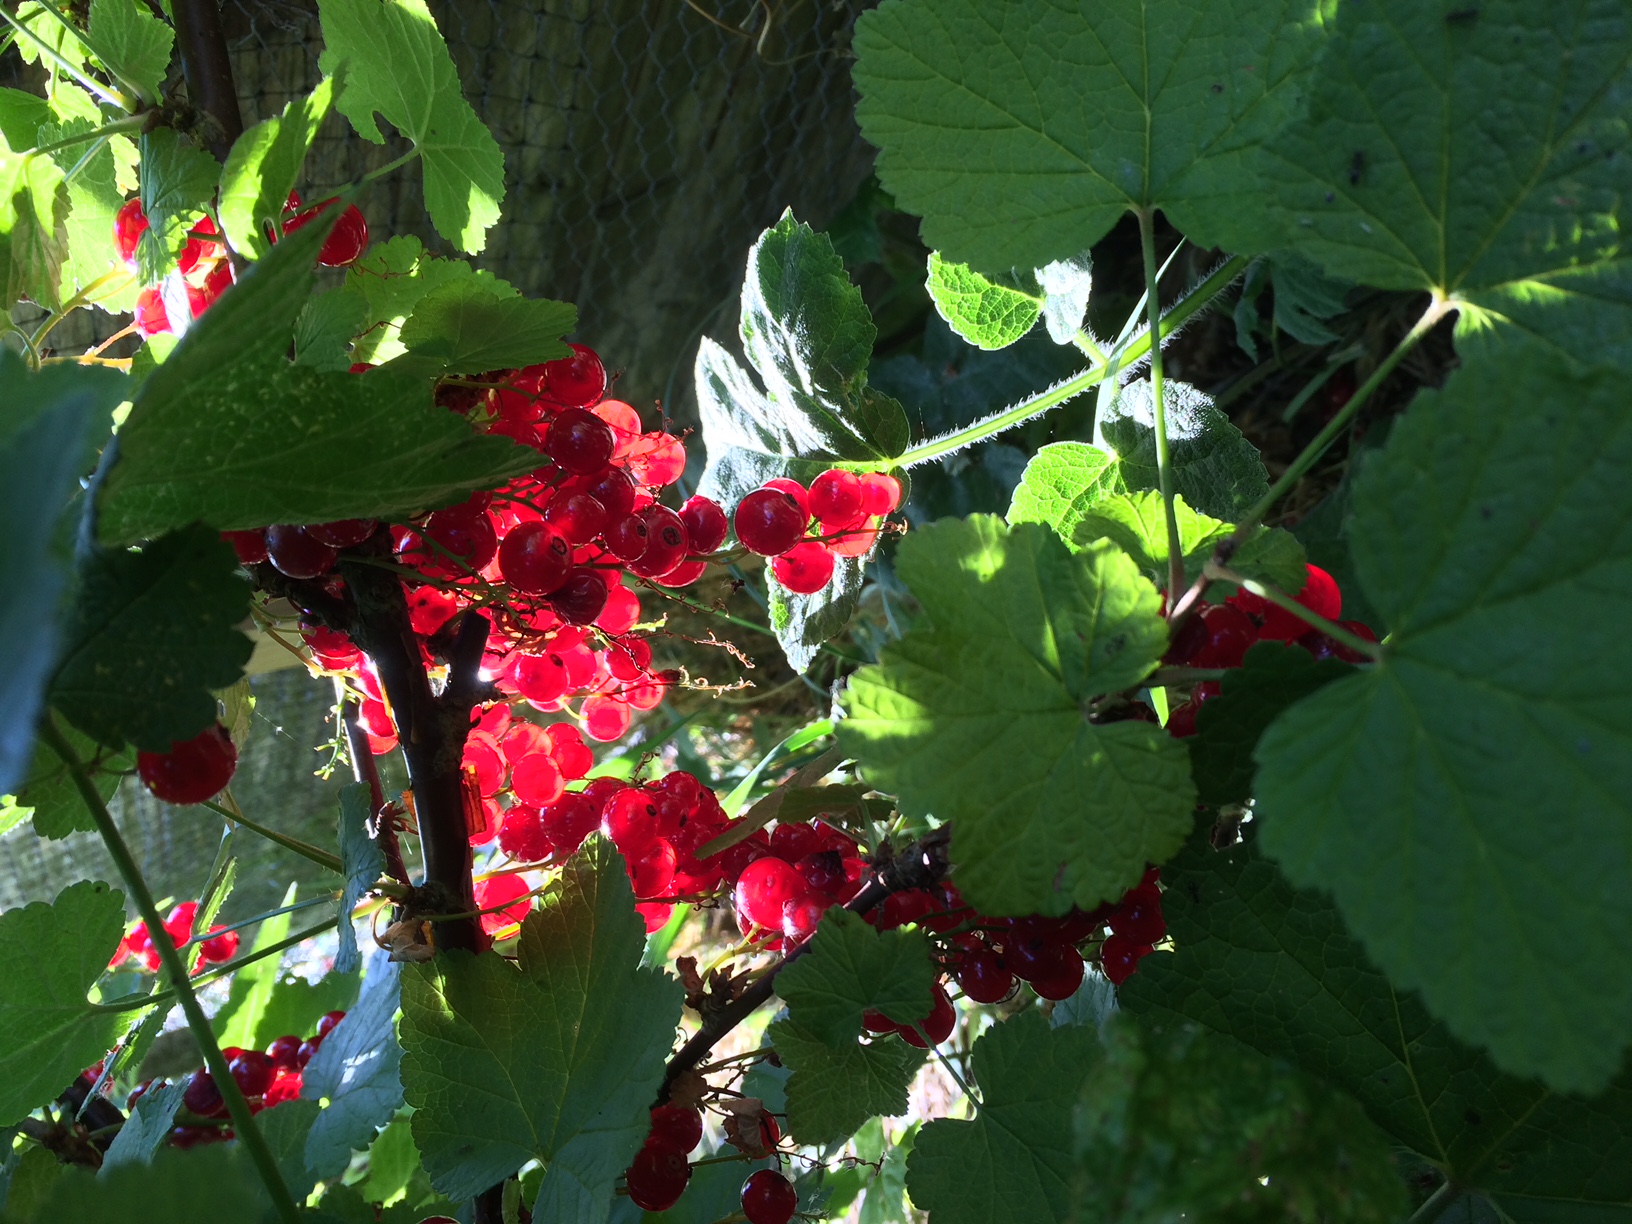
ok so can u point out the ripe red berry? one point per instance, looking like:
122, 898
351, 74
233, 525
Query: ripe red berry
666, 543
984, 977
627, 538
346, 241
193, 770
344, 533
299, 555
615, 491
677, 1127
804, 569
801, 914
581, 598
203, 1097
836, 499
795, 490
1320, 595
283, 1050
129, 224
580, 441
769, 522
1119, 956
657, 1177
578, 381
706, 524
762, 888
1228, 632
1138, 916
768, 1198
568, 821
880, 494
1063, 981
535, 558
326, 1022
253, 1072
577, 516
937, 1026
250, 546
152, 319
459, 538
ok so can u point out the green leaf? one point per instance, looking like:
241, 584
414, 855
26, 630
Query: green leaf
93, 199
808, 335
1214, 467
1521, 218
1177, 1123
21, 115
981, 716
1228, 727
33, 228
1137, 524
49, 432
147, 1128
557, 1057
178, 180
357, 1072
153, 633
207, 1185
263, 166
392, 1162
397, 64
49, 791
132, 43
834, 1090
1022, 133
1274, 968
49, 957
1067, 285
286, 1128
362, 863
461, 328
324, 330
1480, 774
296, 1004
988, 313
1013, 1160
1061, 481
392, 277
238, 1021
852, 968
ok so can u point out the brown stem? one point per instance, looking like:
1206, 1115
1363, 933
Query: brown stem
365, 771
207, 65
923, 864
432, 731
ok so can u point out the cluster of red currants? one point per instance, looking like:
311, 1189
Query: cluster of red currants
1220, 635
789, 878
215, 947
265, 1078
203, 272
661, 1170
842, 508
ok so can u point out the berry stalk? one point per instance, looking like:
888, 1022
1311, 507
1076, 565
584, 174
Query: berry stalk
243, 1121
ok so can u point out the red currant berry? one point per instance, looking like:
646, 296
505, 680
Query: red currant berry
283, 1050
1229, 632
577, 516
346, 241
129, 224
535, 558
326, 1023
1063, 981
568, 821
1139, 915
706, 524
249, 545
578, 381
193, 770
657, 1178
615, 491
801, 914
804, 569
465, 537
581, 598
769, 522
835, 499
1320, 595
984, 977
768, 1198
344, 533
795, 490
152, 319
937, 1026
627, 538
580, 441
666, 543
880, 494
676, 1127
762, 888
252, 1071
295, 553
1119, 956
203, 1097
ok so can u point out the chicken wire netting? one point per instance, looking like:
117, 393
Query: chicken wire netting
646, 143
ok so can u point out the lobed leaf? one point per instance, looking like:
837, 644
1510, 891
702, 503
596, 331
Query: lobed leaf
555, 1058
178, 180
1479, 775
362, 863
462, 328
263, 167
132, 43
357, 1073
852, 968
50, 955
397, 64
980, 716
834, 1090
1137, 524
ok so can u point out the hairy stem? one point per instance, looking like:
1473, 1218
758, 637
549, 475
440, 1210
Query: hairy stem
249, 1134
920, 866
1120, 358
1164, 464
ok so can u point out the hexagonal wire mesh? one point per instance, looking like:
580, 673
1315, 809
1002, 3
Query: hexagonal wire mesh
646, 143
